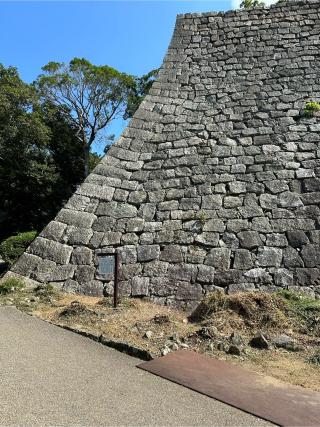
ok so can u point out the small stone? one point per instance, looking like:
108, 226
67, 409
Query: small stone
259, 341
174, 346
166, 350
221, 346
148, 335
161, 319
235, 338
286, 342
184, 345
234, 350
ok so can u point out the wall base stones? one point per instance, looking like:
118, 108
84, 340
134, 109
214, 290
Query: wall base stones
215, 183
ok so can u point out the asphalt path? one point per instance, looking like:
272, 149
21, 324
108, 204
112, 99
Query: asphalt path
50, 377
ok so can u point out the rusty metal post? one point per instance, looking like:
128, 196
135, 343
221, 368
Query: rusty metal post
116, 279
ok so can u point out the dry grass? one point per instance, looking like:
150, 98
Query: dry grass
209, 325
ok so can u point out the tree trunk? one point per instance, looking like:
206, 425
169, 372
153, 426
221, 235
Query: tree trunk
86, 159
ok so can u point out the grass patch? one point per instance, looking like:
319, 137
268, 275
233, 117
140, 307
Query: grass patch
304, 311
314, 359
11, 285
46, 293
251, 309
13, 247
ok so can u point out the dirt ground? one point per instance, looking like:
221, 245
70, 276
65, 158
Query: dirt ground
222, 328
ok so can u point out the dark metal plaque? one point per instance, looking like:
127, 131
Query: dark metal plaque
106, 266
282, 404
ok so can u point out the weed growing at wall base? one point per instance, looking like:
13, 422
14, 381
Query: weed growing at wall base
311, 108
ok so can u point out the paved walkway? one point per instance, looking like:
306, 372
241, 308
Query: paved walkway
49, 376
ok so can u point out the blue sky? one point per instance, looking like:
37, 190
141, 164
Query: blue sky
131, 36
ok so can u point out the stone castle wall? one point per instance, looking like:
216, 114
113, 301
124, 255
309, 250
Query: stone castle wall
216, 180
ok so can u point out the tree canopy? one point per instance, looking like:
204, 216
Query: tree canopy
246, 4
46, 134
89, 96
37, 148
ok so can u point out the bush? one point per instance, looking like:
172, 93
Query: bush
304, 311
13, 247
311, 108
10, 285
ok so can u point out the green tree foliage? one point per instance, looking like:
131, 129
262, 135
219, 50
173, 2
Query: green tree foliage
94, 159
40, 157
89, 96
42, 132
139, 90
27, 172
247, 4
13, 247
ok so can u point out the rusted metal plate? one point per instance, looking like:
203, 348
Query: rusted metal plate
262, 396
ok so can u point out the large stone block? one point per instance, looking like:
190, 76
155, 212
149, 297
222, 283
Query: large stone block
140, 286
182, 272
205, 274
51, 250
269, 257
26, 264
311, 255
76, 218
249, 239
84, 274
128, 254
242, 259
54, 230
219, 258
81, 256
148, 252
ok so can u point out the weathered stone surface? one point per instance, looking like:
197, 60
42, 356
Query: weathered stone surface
205, 274
182, 272
76, 218
54, 230
81, 256
297, 238
140, 286
307, 277
26, 264
186, 291
128, 254
71, 286
211, 202
289, 200
240, 287
84, 274
242, 259
216, 180
93, 288
249, 239
219, 258
311, 255
43, 271
172, 254
135, 224
50, 250
79, 236
283, 277
269, 257
111, 238
148, 252
291, 258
